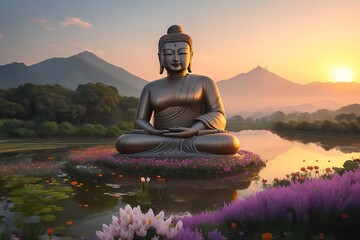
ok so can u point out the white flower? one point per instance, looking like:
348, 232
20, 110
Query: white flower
175, 230
141, 232
115, 231
155, 238
163, 226
147, 179
104, 236
128, 209
116, 221
142, 179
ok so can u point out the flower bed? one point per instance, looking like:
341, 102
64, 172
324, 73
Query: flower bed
108, 156
319, 208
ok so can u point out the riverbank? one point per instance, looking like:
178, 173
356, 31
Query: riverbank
10, 145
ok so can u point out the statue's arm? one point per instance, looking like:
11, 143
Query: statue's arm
214, 115
144, 112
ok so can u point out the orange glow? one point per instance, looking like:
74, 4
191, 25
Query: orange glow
343, 74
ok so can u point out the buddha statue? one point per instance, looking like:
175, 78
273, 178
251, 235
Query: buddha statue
181, 114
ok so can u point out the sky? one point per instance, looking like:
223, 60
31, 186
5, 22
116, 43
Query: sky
300, 40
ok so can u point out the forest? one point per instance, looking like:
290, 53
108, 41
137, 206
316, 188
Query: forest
92, 110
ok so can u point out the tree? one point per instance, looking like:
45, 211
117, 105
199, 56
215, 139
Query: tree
66, 129
345, 117
113, 131
101, 102
48, 129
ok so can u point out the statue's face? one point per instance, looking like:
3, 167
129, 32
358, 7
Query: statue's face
175, 57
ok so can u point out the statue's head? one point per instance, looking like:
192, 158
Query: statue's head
175, 51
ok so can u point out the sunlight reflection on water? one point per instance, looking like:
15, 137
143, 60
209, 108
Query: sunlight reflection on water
285, 156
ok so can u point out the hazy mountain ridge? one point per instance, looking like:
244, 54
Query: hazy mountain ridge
69, 72
261, 92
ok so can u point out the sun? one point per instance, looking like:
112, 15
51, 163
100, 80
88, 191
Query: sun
343, 74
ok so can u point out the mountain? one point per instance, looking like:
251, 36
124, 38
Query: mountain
262, 92
69, 72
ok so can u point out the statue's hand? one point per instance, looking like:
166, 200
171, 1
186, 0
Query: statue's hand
157, 132
181, 132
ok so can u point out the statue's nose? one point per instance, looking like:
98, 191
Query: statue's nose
176, 58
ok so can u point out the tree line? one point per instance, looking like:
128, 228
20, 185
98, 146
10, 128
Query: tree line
344, 123
52, 110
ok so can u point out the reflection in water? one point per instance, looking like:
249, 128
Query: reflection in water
284, 156
344, 144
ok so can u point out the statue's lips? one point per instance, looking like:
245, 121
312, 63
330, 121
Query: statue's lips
175, 64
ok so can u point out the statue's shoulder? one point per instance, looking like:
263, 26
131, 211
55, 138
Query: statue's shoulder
153, 84
203, 79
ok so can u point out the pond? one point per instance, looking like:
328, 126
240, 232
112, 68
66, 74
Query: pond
84, 201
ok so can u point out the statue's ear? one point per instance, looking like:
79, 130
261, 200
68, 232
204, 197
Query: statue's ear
161, 63
189, 67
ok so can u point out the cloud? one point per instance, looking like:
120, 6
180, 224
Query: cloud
43, 23
1, 35
75, 21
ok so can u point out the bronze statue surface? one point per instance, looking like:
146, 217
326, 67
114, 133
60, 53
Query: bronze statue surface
186, 109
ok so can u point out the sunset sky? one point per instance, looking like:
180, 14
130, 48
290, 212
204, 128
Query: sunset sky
300, 40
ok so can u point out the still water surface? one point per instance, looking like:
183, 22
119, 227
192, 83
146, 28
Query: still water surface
98, 198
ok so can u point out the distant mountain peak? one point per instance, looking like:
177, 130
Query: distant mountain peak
86, 55
259, 69
84, 67
15, 64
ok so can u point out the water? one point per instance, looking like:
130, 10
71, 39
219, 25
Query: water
94, 198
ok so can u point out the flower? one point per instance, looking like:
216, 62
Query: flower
50, 231
142, 179
344, 215
321, 235
147, 179
132, 222
233, 225
74, 183
69, 223
266, 236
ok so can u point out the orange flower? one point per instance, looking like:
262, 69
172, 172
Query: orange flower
316, 167
86, 205
264, 180
327, 170
303, 169
233, 225
120, 176
50, 231
266, 236
74, 183
69, 223
344, 215
276, 179
321, 235
100, 174
158, 177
